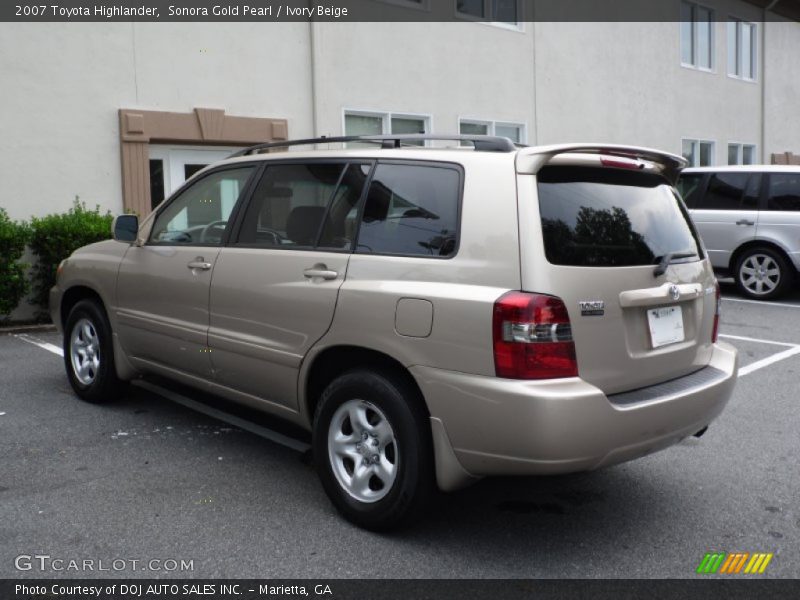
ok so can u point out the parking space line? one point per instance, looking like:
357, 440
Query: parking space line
37, 342
757, 340
765, 362
761, 302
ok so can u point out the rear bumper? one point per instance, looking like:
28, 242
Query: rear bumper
506, 427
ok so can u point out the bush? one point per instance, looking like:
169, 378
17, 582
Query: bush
55, 237
13, 285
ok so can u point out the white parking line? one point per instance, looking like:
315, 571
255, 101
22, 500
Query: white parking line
761, 302
37, 342
765, 362
793, 349
757, 340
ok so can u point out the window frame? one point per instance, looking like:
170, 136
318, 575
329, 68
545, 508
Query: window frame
492, 126
233, 240
386, 119
422, 5
696, 153
740, 146
244, 197
738, 22
695, 36
518, 27
416, 163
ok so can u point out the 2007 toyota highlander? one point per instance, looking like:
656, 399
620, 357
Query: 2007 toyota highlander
433, 315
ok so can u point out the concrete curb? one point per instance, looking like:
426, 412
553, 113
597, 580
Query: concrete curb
42, 328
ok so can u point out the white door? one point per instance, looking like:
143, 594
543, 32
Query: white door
170, 166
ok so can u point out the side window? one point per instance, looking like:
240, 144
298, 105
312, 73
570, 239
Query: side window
689, 187
411, 209
295, 204
725, 191
200, 214
784, 191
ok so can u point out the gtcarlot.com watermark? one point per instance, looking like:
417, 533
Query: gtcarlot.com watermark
46, 563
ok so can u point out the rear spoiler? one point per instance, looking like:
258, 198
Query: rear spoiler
530, 160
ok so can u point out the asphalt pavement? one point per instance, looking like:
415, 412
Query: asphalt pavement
147, 479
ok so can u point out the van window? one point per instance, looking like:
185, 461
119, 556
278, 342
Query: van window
784, 192
411, 210
611, 218
730, 191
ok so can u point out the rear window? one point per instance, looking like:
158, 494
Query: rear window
611, 218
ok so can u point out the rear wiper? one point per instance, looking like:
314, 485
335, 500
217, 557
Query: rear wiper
668, 258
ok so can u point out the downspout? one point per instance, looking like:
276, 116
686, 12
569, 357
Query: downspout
767, 8
314, 87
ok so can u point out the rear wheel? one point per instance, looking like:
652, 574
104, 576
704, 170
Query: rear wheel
762, 273
372, 449
89, 354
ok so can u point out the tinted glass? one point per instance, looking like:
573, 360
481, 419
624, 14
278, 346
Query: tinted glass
412, 210
687, 37
200, 214
704, 26
610, 218
724, 192
784, 191
294, 204
689, 187
470, 7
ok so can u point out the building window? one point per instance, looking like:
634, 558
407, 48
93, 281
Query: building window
699, 153
741, 154
357, 122
416, 4
514, 131
697, 36
504, 12
742, 49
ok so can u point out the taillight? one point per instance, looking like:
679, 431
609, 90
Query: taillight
532, 337
717, 307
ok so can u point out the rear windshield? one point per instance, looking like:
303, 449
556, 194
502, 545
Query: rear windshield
602, 217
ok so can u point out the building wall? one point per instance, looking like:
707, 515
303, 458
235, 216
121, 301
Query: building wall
446, 70
68, 81
782, 87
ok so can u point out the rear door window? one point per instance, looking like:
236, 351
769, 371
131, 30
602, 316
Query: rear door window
726, 191
784, 192
611, 218
411, 210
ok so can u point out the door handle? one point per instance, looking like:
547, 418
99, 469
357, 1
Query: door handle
199, 263
745, 222
320, 271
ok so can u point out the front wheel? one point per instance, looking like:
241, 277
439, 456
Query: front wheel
372, 449
763, 273
89, 354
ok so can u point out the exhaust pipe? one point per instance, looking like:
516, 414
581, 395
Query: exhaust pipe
701, 432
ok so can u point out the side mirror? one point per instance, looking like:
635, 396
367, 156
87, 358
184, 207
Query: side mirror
125, 228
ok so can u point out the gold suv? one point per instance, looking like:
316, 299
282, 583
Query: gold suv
432, 315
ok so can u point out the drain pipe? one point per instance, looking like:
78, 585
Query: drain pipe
763, 44
314, 86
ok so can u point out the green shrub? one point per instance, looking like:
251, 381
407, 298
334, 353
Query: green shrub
55, 237
13, 284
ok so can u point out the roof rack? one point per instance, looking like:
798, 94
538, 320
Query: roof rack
481, 143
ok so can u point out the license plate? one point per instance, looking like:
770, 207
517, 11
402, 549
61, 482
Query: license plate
666, 325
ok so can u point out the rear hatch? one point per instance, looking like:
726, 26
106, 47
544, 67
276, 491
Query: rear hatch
605, 231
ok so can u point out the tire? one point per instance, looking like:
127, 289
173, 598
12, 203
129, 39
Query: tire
87, 341
762, 273
373, 418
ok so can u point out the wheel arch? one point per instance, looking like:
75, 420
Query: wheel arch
758, 243
335, 360
125, 371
